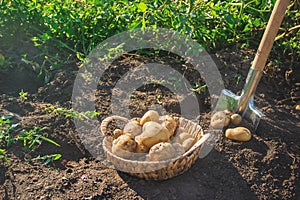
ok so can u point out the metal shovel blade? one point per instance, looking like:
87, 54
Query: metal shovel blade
230, 101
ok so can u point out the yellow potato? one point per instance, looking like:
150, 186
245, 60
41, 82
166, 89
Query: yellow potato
117, 133
184, 139
133, 128
170, 123
161, 151
188, 143
136, 119
124, 146
153, 134
150, 115
140, 148
180, 137
236, 119
220, 120
164, 151
239, 133
149, 124
179, 149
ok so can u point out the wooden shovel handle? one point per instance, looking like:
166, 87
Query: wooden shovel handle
270, 33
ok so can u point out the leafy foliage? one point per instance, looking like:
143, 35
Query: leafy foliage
68, 30
71, 113
6, 129
33, 138
48, 158
23, 95
2, 155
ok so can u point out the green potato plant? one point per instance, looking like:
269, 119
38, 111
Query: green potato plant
32, 139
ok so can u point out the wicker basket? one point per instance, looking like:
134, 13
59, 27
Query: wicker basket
156, 170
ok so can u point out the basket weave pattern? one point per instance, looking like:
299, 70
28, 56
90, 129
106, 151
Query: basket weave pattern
155, 170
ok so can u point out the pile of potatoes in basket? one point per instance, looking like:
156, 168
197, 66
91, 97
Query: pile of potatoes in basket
222, 119
157, 137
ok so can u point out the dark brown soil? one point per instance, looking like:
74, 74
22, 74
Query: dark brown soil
266, 167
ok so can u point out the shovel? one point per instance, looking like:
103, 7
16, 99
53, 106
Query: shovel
244, 104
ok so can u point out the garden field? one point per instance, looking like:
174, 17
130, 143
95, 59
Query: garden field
43, 46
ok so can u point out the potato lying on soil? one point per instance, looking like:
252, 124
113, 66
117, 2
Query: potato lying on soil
170, 123
133, 128
236, 119
150, 115
124, 146
239, 134
220, 120
152, 134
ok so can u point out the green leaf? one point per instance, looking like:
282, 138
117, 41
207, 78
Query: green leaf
230, 19
45, 36
135, 24
23, 95
247, 28
34, 141
2, 59
2, 156
14, 126
79, 56
142, 7
7, 121
50, 141
56, 156
7, 117
2, 151
47, 158
47, 161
